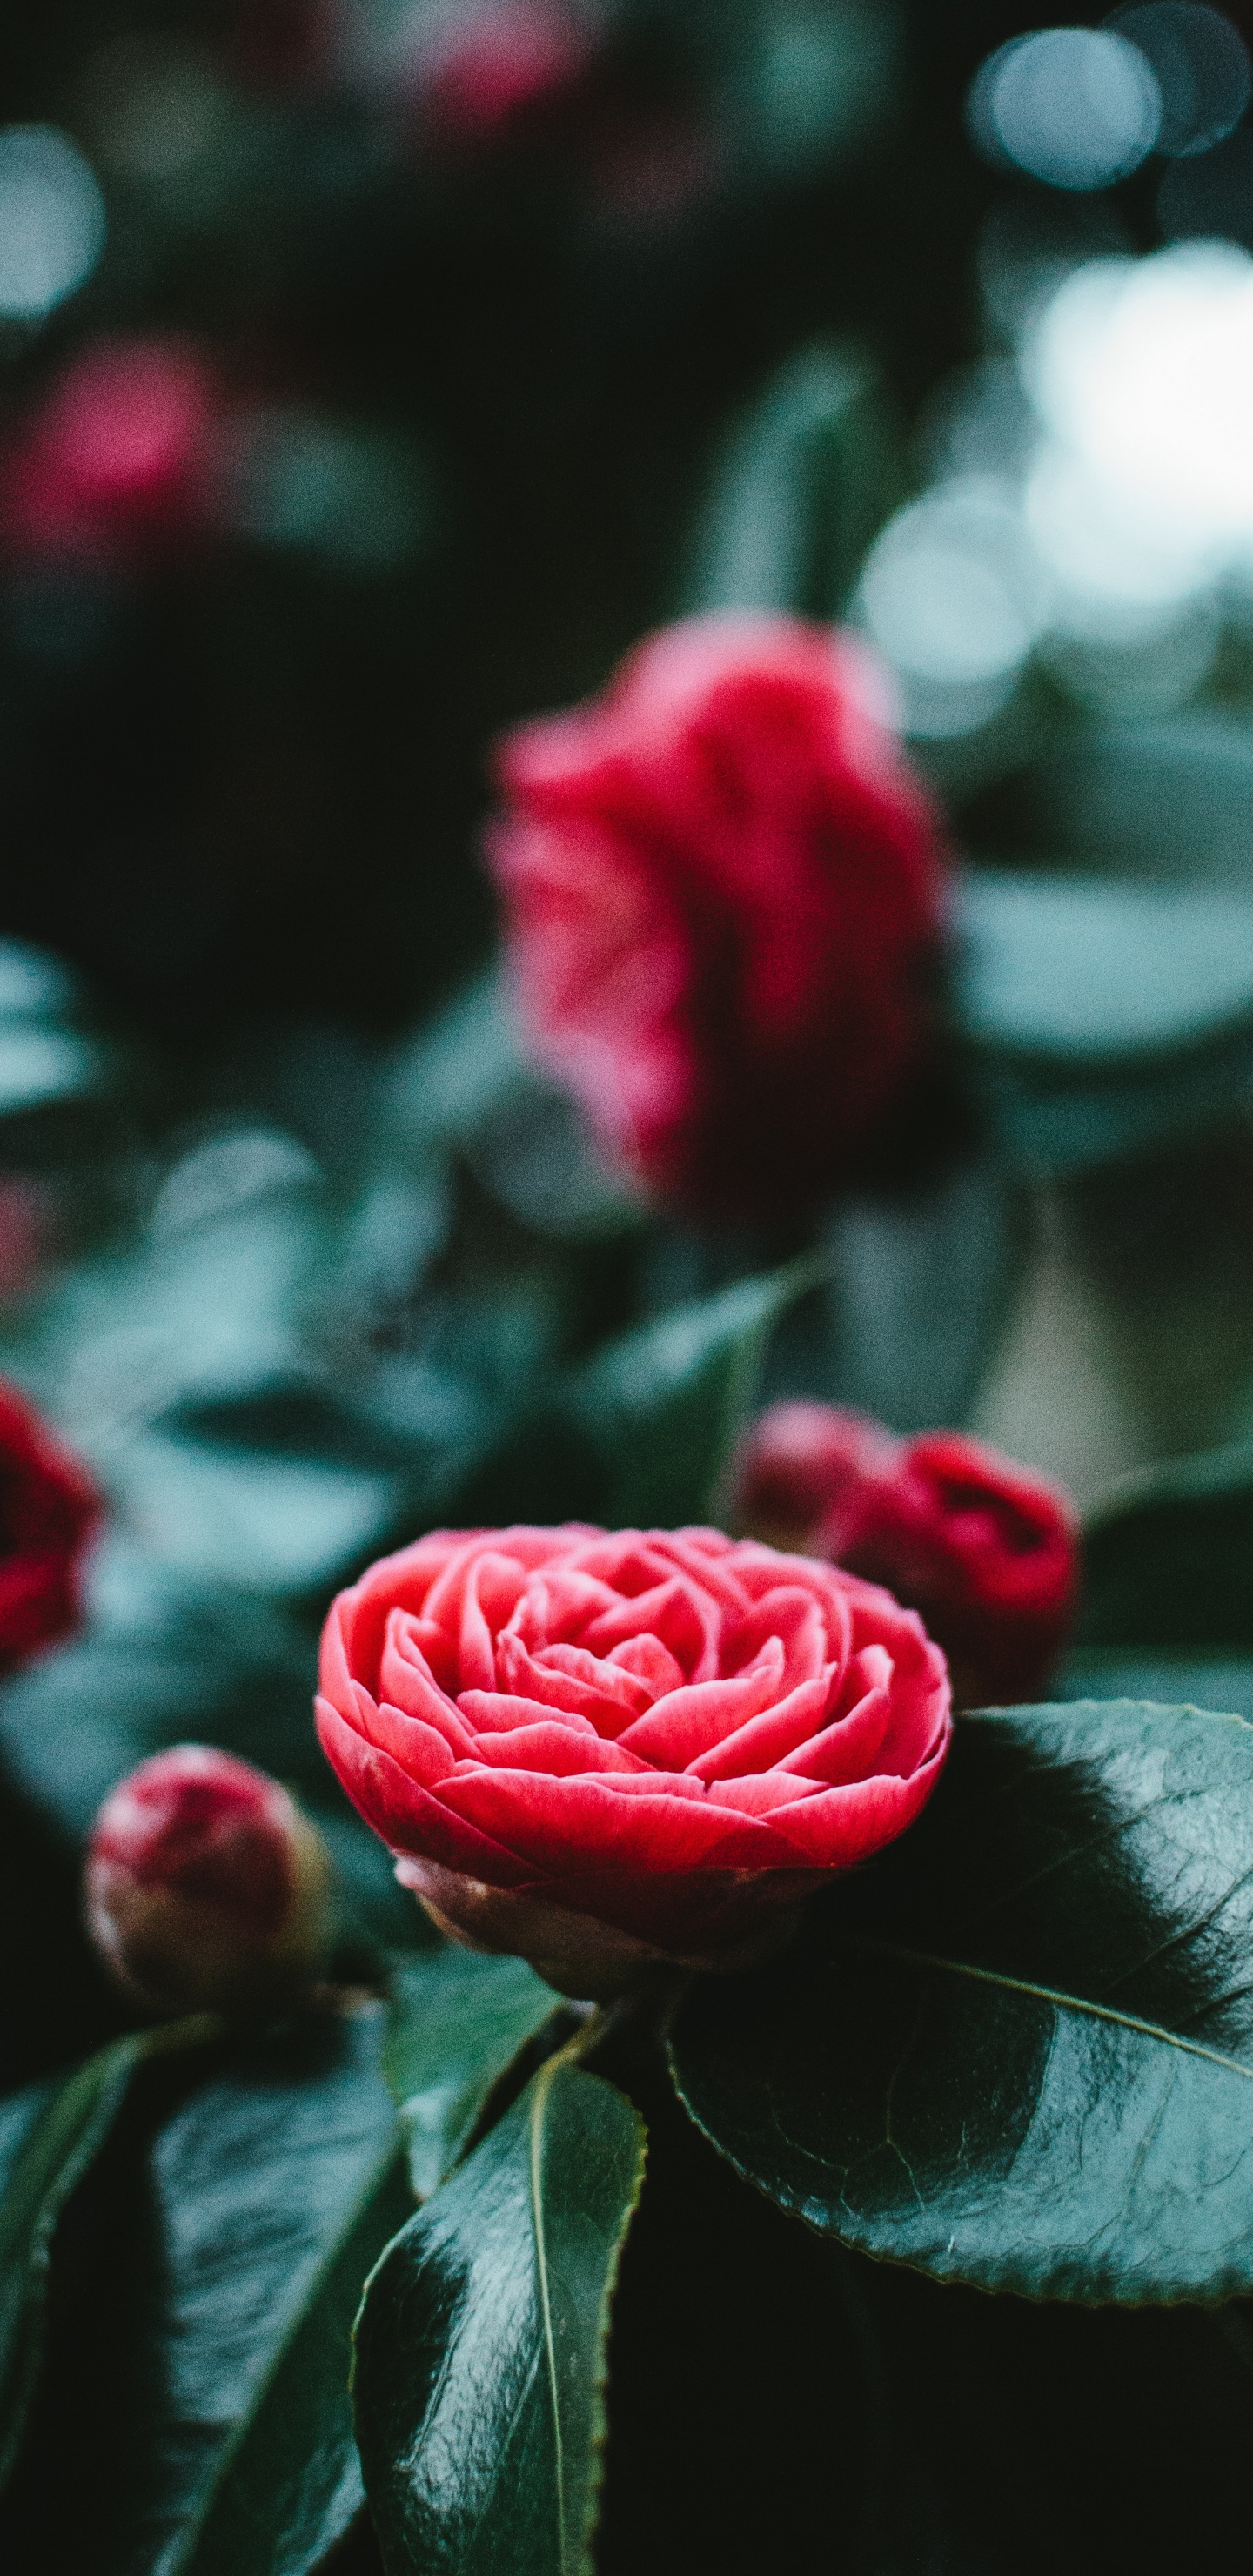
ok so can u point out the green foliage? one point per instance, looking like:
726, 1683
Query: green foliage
1016, 2054
799, 491
480, 2347
288, 2485
1107, 1019
1168, 1558
458, 2019
662, 1407
204, 2297
49, 2136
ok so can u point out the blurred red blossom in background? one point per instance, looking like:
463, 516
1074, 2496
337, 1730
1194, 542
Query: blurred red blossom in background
48, 1511
485, 72
114, 464
724, 899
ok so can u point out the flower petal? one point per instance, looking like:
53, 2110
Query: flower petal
688, 1723
567, 1825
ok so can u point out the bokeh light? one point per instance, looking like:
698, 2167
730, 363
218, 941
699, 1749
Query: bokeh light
1201, 66
1143, 371
1078, 107
955, 600
52, 221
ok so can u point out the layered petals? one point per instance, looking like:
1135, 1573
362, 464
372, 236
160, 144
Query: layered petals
671, 1733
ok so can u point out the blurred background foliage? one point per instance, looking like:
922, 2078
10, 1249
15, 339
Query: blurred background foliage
372, 376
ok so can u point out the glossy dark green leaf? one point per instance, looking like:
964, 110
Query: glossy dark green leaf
1168, 1558
458, 2018
289, 2482
662, 1407
480, 2347
49, 2135
1018, 2050
799, 491
203, 2287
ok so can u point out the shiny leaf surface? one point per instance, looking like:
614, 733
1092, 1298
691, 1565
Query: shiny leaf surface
1019, 2051
49, 2135
289, 2483
480, 2348
458, 2018
203, 2289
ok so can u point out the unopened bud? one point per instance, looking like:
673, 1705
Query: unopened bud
797, 1460
206, 1887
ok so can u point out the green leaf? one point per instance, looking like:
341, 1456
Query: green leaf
458, 2019
481, 2342
663, 1406
799, 491
1108, 1018
204, 2300
49, 2135
1166, 800
1168, 1556
1018, 2051
289, 2483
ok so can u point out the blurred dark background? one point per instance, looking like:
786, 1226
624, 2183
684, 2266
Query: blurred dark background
458, 385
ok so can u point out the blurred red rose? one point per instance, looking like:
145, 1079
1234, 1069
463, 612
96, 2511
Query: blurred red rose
496, 67
985, 1550
116, 460
724, 894
598, 1749
205, 1884
48, 1510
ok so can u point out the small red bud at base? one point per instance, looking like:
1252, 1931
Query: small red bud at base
206, 1888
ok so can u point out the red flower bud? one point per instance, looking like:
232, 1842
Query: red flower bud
48, 1510
985, 1550
724, 896
206, 1886
797, 1460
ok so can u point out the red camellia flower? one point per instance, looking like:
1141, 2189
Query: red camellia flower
205, 1884
985, 1550
48, 1510
723, 895
116, 459
598, 1749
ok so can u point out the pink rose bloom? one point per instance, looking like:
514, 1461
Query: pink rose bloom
723, 895
602, 1748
